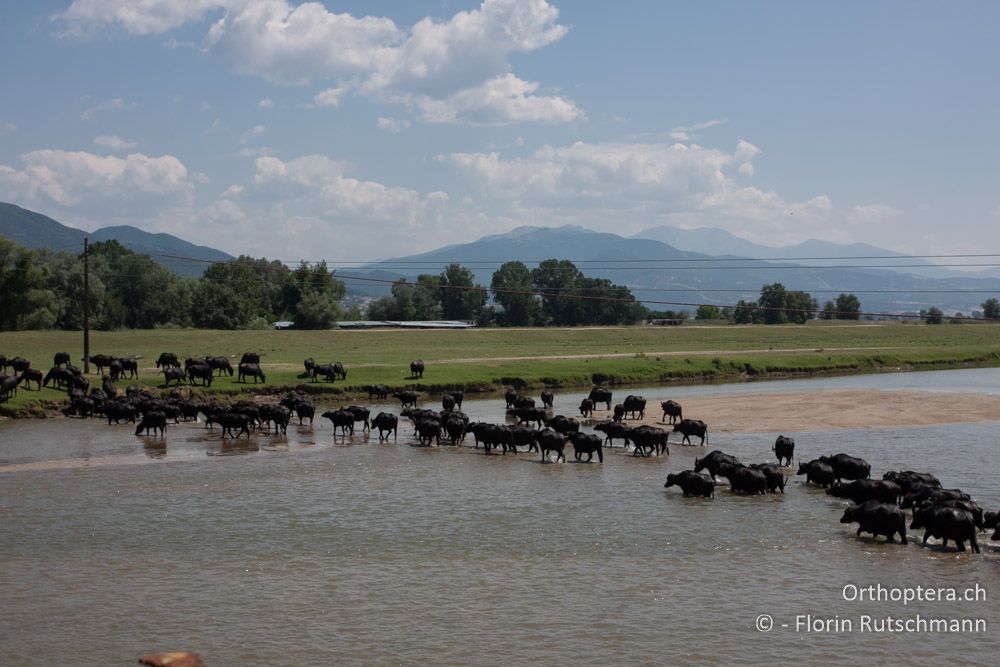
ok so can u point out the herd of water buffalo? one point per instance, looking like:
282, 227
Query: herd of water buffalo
878, 505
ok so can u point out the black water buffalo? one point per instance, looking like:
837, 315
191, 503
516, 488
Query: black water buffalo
80, 405
600, 395
635, 406
613, 431
521, 436
692, 483
550, 441
59, 376
584, 443
447, 402
386, 423
279, 415
459, 396
32, 375
991, 520
130, 366
817, 472
909, 480
19, 364
115, 370
947, 523
691, 427
649, 437
379, 391
456, 430
361, 414
309, 364
617, 413
862, 490
713, 461
528, 415
119, 411
775, 477
101, 361
673, 410
220, 364
167, 359
233, 424
417, 368
108, 387
969, 506
784, 449
524, 402
743, 479
587, 408
407, 398
172, 374
342, 419
510, 396
548, 398
427, 430
877, 518
203, 372
848, 467
157, 421
8, 386
250, 370
250, 358
563, 424
329, 371
60, 359
922, 494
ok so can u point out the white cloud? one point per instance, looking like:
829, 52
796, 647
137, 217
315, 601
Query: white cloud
266, 103
872, 214
255, 132
684, 132
84, 179
115, 104
114, 142
394, 125
330, 97
454, 70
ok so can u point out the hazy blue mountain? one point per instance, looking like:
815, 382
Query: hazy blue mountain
656, 271
34, 230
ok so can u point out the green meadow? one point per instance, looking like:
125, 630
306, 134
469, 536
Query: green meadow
488, 359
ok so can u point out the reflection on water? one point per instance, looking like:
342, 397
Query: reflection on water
287, 550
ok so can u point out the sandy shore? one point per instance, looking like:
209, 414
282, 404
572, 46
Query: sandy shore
824, 410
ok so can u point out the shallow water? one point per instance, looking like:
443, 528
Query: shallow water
299, 550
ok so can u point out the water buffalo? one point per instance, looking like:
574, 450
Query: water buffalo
233, 424
167, 359
922, 494
447, 402
784, 448
60, 359
456, 430
157, 421
250, 370
673, 410
862, 490
119, 410
617, 413
877, 518
203, 372
130, 366
309, 364
713, 461
691, 427
775, 477
510, 396
417, 368
360, 415
220, 364
635, 406
342, 419
528, 415
909, 480
427, 430
385, 423
817, 472
108, 387
613, 431
101, 361
32, 375
649, 437
173, 373
548, 398
58, 376
279, 415
600, 395
521, 436
743, 479
250, 358
550, 441
379, 391
8, 385
584, 443
19, 364
524, 402
587, 408
947, 523
407, 398
692, 483
848, 467
562, 424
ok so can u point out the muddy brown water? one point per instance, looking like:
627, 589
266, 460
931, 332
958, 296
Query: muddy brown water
303, 549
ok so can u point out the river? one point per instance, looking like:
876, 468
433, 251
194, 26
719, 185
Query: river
299, 549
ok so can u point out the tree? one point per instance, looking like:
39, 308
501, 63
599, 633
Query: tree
556, 279
829, 311
848, 307
512, 289
707, 312
316, 310
933, 315
461, 298
772, 304
801, 307
991, 309
746, 313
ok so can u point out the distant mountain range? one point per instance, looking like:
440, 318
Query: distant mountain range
659, 272
35, 230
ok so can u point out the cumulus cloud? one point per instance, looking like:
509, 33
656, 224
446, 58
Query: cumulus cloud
394, 125
685, 133
76, 178
872, 214
255, 132
115, 104
454, 70
266, 103
114, 142
330, 97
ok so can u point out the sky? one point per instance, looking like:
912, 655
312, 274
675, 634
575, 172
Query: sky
361, 130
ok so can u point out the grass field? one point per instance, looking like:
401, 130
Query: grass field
487, 359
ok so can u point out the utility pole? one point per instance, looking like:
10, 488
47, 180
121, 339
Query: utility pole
86, 306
